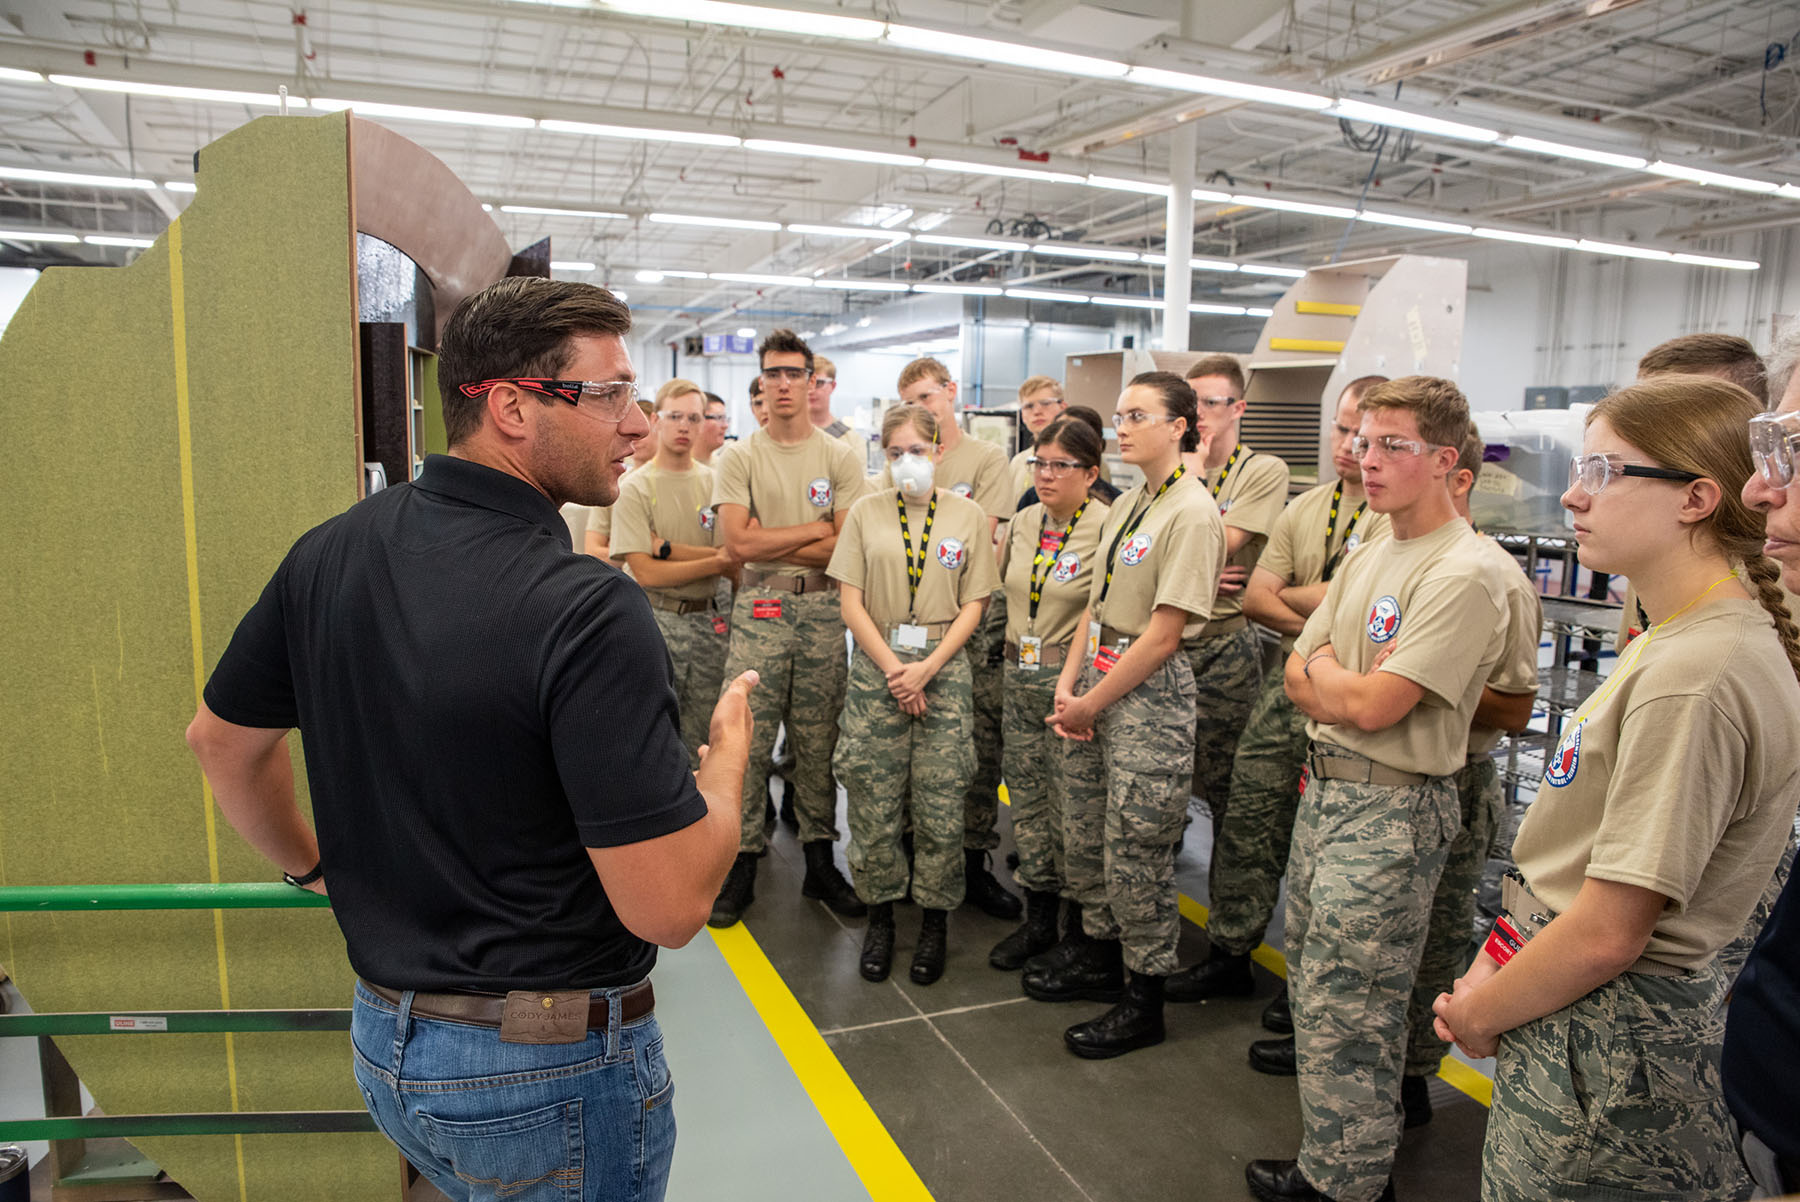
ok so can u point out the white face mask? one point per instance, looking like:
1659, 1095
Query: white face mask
913, 474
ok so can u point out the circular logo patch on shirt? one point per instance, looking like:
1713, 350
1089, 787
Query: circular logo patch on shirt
1384, 619
1136, 547
1563, 765
707, 519
963, 490
819, 493
951, 554
1225, 506
1068, 566
1352, 543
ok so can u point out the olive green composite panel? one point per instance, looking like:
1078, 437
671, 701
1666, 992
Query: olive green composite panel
105, 630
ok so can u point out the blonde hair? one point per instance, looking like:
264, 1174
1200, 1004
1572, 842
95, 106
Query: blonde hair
1041, 384
922, 369
677, 387
1696, 424
824, 367
916, 416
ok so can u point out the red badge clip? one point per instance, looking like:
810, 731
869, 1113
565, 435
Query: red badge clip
768, 608
719, 626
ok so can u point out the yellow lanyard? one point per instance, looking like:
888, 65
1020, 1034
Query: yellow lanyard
1040, 562
915, 569
1130, 528
1226, 473
1629, 661
1331, 561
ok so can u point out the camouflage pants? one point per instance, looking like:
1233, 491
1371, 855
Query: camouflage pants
1033, 770
1125, 803
1449, 938
801, 658
883, 755
1361, 874
1227, 674
1616, 1096
1733, 954
1250, 842
698, 654
981, 804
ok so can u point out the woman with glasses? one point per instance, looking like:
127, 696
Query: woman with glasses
1665, 806
1047, 563
1126, 708
914, 573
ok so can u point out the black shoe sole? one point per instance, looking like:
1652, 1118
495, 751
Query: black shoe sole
1271, 1070
719, 922
1080, 995
931, 978
1107, 1052
877, 978
1172, 993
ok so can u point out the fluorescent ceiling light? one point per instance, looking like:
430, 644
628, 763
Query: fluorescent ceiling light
751, 16
1585, 154
1295, 206
1218, 310
540, 211
77, 178
1120, 184
1716, 261
1595, 247
180, 185
116, 240
753, 277
1259, 312
1085, 252
687, 137
746, 332
1791, 191
958, 289
864, 322
1012, 54
486, 207
1207, 196
683, 275
35, 236
1045, 294
1127, 302
971, 243
1529, 239
849, 154
722, 223
571, 265
620, 293
843, 231
863, 285
1288, 273
1717, 179
649, 277
15, 75
131, 87
1414, 223
967, 168
411, 112
1212, 265
893, 219
1183, 81
1381, 114
932, 220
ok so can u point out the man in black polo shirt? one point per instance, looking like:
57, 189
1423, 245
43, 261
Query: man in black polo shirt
500, 789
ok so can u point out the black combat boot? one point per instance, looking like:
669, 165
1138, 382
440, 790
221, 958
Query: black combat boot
983, 891
1282, 1181
1278, 1015
736, 894
1038, 934
1415, 1101
1096, 973
878, 943
1136, 1022
1276, 1057
928, 957
1221, 974
1065, 950
825, 883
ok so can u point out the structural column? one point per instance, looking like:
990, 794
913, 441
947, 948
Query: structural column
1178, 275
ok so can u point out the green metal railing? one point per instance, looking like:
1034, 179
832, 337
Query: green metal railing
259, 895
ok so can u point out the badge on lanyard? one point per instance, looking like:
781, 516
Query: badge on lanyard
769, 607
1093, 639
1105, 658
908, 637
719, 625
1031, 653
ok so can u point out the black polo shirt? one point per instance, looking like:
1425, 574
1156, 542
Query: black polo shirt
1761, 1061
478, 704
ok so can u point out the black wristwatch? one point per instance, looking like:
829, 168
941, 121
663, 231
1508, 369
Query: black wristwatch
667, 549
301, 882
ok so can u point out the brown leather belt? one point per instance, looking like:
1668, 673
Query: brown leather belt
675, 606
812, 582
1336, 763
1048, 656
1110, 637
486, 1009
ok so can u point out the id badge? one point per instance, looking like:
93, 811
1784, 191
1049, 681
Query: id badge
766, 607
1104, 659
908, 637
719, 624
1031, 653
1093, 639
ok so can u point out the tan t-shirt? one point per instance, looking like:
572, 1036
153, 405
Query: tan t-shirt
788, 484
1250, 496
655, 504
1299, 548
1066, 576
1174, 557
1516, 671
1680, 778
1022, 480
973, 468
1630, 627
959, 565
1439, 601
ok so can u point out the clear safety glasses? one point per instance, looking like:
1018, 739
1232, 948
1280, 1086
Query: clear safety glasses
1594, 472
1772, 440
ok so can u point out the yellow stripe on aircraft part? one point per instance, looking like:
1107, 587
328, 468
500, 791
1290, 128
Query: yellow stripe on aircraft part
1317, 346
1327, 308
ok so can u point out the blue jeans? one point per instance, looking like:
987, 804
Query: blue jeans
576, 1122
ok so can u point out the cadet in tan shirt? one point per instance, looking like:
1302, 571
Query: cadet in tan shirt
1126, 705
1040, 403
598, 539
665, 532
1250, 490
1047, 564
818, 405
781, 498
1389, 669
915, 574
1665, 809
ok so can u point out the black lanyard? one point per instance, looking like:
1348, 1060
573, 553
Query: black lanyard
915, 568
1039, 562
1130, 528
1229, 464
1331, 561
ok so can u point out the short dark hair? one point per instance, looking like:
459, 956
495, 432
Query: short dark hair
1178, 401
1469, 455
713, 398
1724, 355
1075, 436
784, 342
1086, 414
519, 327
1355, 388
1219, 365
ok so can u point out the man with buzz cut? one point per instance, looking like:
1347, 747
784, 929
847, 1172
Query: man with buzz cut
1251, 490
781, 499
1389, 670
818, 406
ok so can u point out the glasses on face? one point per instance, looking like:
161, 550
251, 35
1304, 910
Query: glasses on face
1389, 447
1051, 405
683, 419
1594, 472
775, 375
1138, 418
1772, 439
1215, 402
607, 400
718, 418
894, 454
1056, 469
